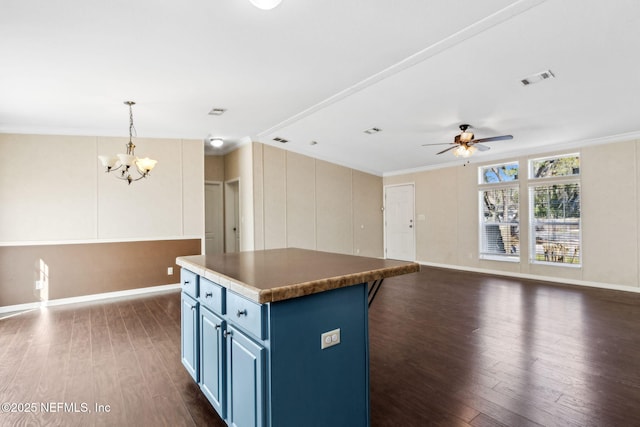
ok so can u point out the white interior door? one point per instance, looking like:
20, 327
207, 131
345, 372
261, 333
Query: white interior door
213, 218
400, 240
232, 216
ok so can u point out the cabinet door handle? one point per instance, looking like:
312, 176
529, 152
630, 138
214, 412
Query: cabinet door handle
227, 334
193, 307
186, 282
217, 327
241, 313
208, 295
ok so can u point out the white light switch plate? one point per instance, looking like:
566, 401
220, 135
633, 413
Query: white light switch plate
330, 338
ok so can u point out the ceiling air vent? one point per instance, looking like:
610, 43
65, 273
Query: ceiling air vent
372, 131
536, 78
282, 140
217, 111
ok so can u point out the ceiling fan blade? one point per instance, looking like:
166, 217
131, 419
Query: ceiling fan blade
481, 147
493, 138
450, 148
439, 143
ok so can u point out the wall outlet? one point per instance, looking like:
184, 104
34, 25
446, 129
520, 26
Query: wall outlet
170, 271
38, 284
330, 338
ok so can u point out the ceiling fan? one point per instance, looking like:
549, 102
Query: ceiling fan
465, 144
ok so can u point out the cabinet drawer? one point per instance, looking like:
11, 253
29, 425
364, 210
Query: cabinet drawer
189, 282
212, 295
246, 314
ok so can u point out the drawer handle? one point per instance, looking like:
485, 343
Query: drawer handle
208, 295
241, 313
227, 334
186, 282
193, 307
217, 327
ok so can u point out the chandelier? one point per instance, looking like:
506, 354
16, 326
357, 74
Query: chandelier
124, 162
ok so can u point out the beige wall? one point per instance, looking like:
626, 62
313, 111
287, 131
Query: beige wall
64, 196
238, 165
301, 208
367, 214
448, 199
48, 188
214, 168
312, 204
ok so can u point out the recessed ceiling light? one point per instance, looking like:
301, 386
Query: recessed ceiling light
217, 111
282, 140
265, 4
372, 131
538, 77
216, 142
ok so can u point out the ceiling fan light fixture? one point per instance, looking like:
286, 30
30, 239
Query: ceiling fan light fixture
464, 151
466, 136
265, 4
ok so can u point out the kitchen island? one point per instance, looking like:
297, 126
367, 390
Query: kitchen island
279, 337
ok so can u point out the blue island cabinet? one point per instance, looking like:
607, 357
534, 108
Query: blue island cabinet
263, 365
190, 335
212, 359
246, 380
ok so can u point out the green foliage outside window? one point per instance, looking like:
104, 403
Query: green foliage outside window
559, 166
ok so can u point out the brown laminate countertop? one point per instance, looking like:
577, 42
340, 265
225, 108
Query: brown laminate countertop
279, 274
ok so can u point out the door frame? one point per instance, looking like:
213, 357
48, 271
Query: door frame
384, 219
229, 209
204, 239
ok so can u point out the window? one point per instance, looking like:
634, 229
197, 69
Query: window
554, 204
498, 173
555, 167
499, 212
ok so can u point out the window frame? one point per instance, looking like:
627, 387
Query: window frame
482, 168
482, 225
561, 156
538, 182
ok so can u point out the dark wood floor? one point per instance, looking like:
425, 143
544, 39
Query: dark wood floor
447, 349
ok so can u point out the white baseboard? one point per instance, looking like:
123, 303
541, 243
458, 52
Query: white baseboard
87, 298
561, 281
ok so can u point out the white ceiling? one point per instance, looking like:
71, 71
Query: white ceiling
326, 71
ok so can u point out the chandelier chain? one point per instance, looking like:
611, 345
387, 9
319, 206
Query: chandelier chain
132, 128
